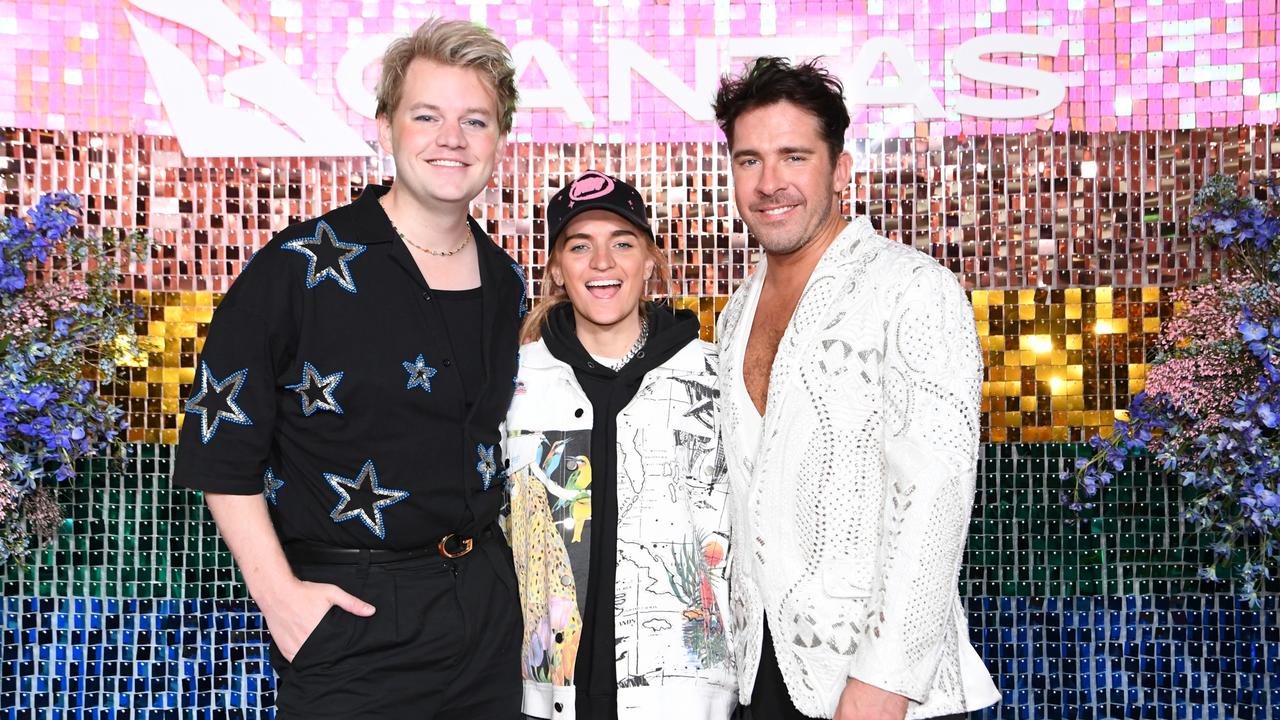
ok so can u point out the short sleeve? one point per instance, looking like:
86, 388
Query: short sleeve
229, 416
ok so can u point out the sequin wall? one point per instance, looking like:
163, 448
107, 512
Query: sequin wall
1068, 225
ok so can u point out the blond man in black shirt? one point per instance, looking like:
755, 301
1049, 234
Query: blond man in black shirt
344, 418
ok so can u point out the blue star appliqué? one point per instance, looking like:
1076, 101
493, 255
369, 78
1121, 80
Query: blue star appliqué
420, 374
317, 391
521, 307
363, 498
270, 486
487, 467
217, 398
327, 257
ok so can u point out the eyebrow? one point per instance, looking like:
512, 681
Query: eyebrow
465, 111
789, 150
616, 233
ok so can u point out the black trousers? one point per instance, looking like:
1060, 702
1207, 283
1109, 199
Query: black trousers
444, 643
769, 697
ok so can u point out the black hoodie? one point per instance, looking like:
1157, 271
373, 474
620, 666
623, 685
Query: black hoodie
609, 392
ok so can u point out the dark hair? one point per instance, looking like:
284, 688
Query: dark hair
769, 80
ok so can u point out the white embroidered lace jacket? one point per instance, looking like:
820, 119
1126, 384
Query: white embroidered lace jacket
849, 524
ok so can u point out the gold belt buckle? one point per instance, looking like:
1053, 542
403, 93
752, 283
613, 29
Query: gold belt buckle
467, 543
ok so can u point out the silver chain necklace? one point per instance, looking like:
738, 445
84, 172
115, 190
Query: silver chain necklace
636, 347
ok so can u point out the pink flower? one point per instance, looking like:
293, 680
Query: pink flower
36, 308
1203, 366
560, 611
42, 512
1204, 385
10, 497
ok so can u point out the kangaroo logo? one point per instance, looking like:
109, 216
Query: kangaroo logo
306, 126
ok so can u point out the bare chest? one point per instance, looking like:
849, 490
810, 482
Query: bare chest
773, 314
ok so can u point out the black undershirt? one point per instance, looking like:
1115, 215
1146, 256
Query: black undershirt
463, 312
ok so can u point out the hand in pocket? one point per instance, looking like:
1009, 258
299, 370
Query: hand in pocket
293, 614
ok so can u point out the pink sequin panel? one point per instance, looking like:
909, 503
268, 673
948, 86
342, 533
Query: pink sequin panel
641, 72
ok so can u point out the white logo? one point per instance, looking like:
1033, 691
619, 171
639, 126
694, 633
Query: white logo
267, 111
1040, 91
284, 117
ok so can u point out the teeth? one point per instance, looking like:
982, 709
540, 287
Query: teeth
603, 283
778, 211
446, 163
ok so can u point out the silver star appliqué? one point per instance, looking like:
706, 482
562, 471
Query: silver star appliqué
316, 390
486, 467
363, 498
270, 486
522, 306
420, 374
217, 398
327, 257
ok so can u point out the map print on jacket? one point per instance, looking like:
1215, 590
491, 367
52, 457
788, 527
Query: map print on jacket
670, 591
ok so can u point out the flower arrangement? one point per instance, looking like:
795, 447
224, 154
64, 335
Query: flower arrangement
1210, 412
63, 331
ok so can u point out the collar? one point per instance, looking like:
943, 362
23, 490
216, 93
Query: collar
499, 274
844, 248
384, 232
367, 205
853, 245
494, 263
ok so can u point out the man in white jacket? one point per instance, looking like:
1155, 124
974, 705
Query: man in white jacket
850, 382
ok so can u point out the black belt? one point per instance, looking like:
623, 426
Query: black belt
451, 547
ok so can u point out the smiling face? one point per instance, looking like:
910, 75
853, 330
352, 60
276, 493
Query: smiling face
443, 135
784, 181
603, 263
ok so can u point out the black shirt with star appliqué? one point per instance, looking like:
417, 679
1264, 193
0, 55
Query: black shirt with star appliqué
335, 381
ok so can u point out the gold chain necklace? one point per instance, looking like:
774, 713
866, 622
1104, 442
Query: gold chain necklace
438, 253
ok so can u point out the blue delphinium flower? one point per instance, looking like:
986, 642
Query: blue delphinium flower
1228, 465
51, 415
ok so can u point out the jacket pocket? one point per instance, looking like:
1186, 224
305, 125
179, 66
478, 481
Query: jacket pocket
521, 450
848, 578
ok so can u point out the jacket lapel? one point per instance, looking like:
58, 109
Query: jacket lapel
731, 320
820, 300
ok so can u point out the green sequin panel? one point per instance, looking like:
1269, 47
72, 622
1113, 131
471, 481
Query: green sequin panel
130, 534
